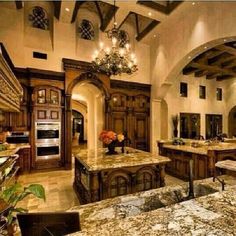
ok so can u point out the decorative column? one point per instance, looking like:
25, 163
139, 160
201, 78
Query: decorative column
155, 124
68, 132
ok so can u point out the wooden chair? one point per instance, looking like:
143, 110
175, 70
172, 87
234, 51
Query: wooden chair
48, 223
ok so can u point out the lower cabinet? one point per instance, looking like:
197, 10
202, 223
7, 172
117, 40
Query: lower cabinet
24, 160
131, 180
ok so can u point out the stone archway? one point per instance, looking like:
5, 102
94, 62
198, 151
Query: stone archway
232, 123
79, 79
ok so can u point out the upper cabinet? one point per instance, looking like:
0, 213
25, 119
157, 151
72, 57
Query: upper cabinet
46, 95
10, 88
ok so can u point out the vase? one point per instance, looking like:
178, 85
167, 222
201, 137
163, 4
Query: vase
175, 133
111, 148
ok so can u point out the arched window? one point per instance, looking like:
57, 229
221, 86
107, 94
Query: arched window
38, 18
86, 30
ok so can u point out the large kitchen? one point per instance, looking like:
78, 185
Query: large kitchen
117, 118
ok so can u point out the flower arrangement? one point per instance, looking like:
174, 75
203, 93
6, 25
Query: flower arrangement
108, 137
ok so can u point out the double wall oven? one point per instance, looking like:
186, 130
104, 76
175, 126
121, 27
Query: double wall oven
47, 140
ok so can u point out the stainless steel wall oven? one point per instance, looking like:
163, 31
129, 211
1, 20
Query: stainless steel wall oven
48, 140
47, 132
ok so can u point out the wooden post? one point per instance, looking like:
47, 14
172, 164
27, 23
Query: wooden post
162, 175
68, 134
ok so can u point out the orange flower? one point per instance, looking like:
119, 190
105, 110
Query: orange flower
107, 136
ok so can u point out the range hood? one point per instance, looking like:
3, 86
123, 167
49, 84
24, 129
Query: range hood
10, 89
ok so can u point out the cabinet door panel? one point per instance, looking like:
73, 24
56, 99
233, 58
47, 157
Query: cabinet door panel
141, 131
54, 115
41, 114
119, 122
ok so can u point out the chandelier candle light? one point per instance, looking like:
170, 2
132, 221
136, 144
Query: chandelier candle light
115, 60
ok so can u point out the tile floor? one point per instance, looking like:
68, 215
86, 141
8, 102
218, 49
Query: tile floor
60, 195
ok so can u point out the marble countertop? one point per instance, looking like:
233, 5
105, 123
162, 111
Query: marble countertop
13, 149
137, 214
202, 149
96, 160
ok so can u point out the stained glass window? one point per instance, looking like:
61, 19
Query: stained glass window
86, 30
38, 18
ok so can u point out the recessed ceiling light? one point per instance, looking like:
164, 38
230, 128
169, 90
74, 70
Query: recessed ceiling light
205, 47
225, 40
189, 57
154, 36
67, 9
193, 3
149, 13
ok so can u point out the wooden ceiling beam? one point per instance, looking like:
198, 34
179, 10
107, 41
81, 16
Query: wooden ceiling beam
148, 28
19, 4
155, 6
201, 73
224, 77
226, 48
57, 9
229, 64
189, 70
99, 13
220, 59
76, 8
212, 69
172, 5
137, 24
212, 75
107, 19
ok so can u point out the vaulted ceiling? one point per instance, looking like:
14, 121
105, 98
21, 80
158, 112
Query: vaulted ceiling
144, 15
216, 63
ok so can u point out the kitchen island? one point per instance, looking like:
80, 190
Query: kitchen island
164, 211
204, 156
99, 176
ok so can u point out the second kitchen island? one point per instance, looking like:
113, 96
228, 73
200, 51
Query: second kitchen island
99, 176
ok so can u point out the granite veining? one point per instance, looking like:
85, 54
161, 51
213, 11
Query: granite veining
13, 149
164, 211
203, 148
96, 159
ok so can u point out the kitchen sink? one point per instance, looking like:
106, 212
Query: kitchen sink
133, 205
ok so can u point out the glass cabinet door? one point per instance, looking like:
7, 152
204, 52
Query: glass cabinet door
41, 96
54, 97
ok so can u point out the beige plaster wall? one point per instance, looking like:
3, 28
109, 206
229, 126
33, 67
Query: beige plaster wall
61, 41
187, 32
193, 104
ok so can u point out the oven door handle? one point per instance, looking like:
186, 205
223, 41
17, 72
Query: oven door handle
47, 144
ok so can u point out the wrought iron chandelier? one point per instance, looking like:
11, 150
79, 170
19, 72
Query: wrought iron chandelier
115, 60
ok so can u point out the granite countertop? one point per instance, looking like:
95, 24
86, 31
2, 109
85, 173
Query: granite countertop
96, 160
13, 149
202, 149
135, 214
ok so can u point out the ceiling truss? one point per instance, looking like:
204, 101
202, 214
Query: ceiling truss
217, 63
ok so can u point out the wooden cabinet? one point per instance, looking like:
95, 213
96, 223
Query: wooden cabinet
24, 160
46, 95
42, 114
47, 103
130, 114
19, 121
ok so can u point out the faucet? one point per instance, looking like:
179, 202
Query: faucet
191, 186
221, 181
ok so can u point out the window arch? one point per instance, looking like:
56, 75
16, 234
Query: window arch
86, 30
38, 18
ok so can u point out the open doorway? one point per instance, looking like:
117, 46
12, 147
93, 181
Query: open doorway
232, 123
87, 114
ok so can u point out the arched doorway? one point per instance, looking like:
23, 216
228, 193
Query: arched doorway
78, 126
94, 91
232, 123
93, 99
